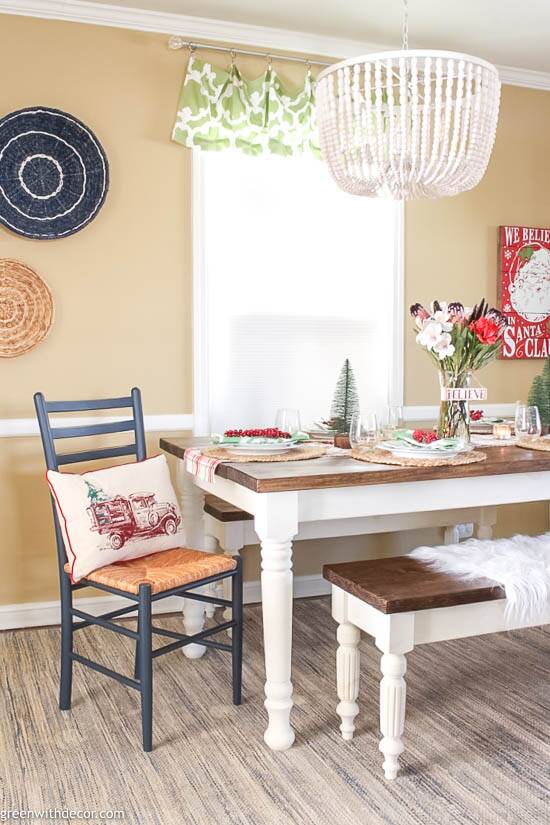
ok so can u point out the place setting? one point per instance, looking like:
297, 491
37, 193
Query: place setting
392, 443
285, 441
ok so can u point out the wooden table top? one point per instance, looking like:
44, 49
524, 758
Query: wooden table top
344, 471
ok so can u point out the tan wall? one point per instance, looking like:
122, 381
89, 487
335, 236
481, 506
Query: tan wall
122, 286
451, 244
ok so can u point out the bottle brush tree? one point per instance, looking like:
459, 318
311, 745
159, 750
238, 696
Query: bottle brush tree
95, 493
345, 401
539, 394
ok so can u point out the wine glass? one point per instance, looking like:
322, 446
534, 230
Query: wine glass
288, 420
364, 430
528, 424
393, 420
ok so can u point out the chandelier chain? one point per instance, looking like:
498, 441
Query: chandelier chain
405, 35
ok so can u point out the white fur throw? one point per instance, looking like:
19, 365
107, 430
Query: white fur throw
521, 564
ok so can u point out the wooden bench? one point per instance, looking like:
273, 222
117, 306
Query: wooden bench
402, 602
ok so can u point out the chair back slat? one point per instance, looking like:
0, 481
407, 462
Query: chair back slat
83, 406
54, 459
93, 429
92, 455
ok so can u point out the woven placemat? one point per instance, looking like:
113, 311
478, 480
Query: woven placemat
26, 308
299, 454
377, 456
537, 443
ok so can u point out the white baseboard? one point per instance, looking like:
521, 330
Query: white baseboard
42, 614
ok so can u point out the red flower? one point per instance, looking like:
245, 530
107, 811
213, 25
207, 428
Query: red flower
485, 330
476, 415
424, 436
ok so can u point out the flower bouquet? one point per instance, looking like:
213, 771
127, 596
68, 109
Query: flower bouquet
460, 340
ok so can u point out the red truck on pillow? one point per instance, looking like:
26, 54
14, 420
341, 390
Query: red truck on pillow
138, 515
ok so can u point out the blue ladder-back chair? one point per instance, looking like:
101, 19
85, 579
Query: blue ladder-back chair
142, 680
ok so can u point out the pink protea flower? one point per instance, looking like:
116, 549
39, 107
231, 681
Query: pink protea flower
417, 311
456, 312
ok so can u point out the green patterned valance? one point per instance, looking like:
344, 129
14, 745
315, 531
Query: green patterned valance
221, 110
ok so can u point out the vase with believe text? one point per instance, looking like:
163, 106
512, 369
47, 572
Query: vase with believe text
454, 411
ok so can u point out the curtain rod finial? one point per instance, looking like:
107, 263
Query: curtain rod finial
176, 42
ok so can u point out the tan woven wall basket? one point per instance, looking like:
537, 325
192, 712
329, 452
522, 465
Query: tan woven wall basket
26, 308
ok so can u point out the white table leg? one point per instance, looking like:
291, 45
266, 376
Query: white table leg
347, 676
211, 546
276, 523
486, 522
451, 535
192, 506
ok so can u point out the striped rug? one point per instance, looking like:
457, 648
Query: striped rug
477, 734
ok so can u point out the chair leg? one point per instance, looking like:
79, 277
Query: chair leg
237, 636
66, 681
136, 655
145, 664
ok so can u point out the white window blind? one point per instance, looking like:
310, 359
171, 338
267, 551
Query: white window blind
295, 277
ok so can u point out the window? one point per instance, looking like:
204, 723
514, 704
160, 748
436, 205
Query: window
292, 276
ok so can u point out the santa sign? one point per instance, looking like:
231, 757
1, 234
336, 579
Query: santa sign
524, 290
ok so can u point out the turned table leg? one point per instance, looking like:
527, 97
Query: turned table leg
192, 506
347, 676
451, 535
276, 525
486, 521
211, 546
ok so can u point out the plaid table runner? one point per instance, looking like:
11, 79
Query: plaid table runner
200, 465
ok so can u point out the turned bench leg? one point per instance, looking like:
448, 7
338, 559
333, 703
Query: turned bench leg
347, 676
393, 693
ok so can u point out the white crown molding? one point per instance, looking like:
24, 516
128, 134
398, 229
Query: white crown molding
189, 27
224, 31
42, 614
19, 427
528, 78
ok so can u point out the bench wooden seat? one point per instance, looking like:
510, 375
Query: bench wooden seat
400, 584
402, 602
223, 510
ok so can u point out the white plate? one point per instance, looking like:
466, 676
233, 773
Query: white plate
422, 452
263, 449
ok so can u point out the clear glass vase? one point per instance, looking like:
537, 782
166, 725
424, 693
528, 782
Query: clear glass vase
454, 411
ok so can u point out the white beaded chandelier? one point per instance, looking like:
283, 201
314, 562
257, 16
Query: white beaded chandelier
408, 124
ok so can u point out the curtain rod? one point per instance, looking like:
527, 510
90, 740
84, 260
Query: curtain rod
176, 43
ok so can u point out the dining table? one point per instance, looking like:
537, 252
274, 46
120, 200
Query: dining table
283, 495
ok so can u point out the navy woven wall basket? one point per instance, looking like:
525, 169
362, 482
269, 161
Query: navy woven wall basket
54, 174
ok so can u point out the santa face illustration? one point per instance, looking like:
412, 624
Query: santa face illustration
530, 289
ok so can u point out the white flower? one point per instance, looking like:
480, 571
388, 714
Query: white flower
442, 317
444, 348
430, 334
